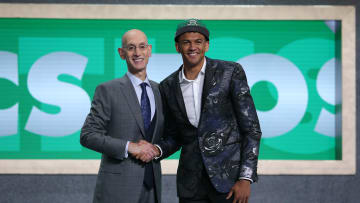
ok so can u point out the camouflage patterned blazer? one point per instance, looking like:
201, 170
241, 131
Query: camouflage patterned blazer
227, 139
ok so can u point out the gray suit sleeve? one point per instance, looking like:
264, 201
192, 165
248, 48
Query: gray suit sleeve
94, 133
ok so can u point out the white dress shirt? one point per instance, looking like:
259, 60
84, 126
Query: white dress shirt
192, 93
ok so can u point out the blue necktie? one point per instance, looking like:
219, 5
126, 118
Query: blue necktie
145, 106
146, 114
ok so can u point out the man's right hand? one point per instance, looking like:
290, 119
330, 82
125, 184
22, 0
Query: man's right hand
143, 150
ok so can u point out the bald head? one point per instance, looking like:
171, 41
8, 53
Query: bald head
136, 51
131, 34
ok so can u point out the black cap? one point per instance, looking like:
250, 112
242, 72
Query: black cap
191, 25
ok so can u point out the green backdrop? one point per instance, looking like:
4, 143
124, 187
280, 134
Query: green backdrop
49, 69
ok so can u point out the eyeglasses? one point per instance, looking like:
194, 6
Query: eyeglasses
132, 48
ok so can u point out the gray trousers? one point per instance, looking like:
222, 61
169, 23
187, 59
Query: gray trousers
147, 196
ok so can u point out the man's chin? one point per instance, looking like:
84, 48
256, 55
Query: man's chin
193, 63
139, 66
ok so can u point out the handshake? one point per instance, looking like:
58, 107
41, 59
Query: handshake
143, 150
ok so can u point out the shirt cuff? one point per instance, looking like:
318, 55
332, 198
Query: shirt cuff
157, 157
243, 178
126, 149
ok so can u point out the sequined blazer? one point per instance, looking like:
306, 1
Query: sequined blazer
227, 139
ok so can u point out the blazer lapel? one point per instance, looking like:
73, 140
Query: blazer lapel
134, 106
209, 80
158, 108
179, 96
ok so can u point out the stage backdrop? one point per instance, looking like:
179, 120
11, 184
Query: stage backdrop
49, 69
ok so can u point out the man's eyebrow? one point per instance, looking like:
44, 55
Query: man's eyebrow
132, 44
192, 40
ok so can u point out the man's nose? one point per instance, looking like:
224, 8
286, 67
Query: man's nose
192, 46
136, 51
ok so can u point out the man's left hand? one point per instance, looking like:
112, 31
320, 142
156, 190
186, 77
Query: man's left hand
241, 191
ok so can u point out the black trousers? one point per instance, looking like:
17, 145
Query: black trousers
207, 193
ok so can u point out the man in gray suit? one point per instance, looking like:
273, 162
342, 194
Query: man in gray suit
125, 118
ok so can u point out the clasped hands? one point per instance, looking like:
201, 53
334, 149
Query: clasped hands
143, 150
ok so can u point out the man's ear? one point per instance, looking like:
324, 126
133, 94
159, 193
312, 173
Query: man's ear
150, 51
207, 46
177, 47
121, 53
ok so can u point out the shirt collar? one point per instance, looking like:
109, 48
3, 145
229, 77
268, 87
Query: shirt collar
182, 77
136, 81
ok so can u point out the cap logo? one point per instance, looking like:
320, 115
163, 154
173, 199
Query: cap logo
193, 22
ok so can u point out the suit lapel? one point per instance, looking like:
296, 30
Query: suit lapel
158, 108
131, 98
209, 80
179, 95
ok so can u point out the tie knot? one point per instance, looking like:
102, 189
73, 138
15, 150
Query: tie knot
143, 85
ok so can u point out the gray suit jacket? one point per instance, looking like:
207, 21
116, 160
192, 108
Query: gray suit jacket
115, 118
